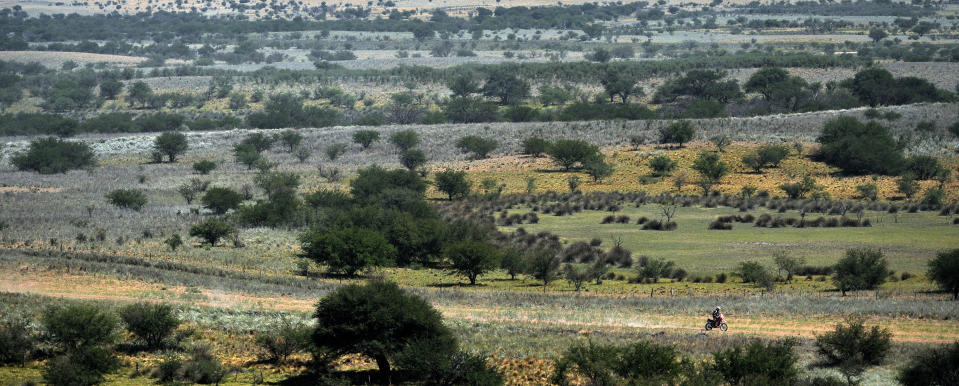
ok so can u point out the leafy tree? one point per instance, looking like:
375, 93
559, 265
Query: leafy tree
16, 343
868, 191
859, 148
620, 84
662, 165
212, 230
513, 262
944, 270
246, 154
598, 168
347, 250
373, 182
479, 146
110, 88
877, 34
453, 183
139, 93
544, 266
923, 167
412, 159
535, 146
258, 141
171, 144
570, 152
932, 366
464, 85
152, 323
787, 263
287, 339
127, 198
711, 169
852, 347
365, 138
204, 167
84, 335
654, 269
678, 132
174, 241
378, 320
290, 139
860, 269
637, 363
405, 139
220, 200
907, 184
470, 110
472, 258
766, 156
335, 150
52, 155
600, 55
506, 87
237, 101
699, 84
758, 363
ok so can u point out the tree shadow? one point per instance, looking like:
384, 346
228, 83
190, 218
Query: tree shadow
359, 377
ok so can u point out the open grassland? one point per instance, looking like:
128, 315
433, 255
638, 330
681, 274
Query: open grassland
54, 59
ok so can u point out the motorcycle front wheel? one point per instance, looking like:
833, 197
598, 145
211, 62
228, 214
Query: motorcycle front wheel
723, 327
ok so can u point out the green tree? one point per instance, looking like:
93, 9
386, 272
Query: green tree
220, 200
932, 366
944, 270
852, 347
464, 85
52, 155
83, 336
620, 84
335, 150
535, 146
859, 148
290, 139
678, 132
860, 269
139, 93
127, 198
453, 183
378, 320
110, 88
171, 144
365, 138
237, 101
204, 167
479, 146
877, 34
347, 250
150, 322
472, 258
405, 139
597, 168
246, 154
570, 152
543, 266
662, 165
412, 159
212, 230
506, 87
771, 363
711, 170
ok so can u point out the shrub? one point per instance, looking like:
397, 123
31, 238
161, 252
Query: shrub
535, 146
711, 169
754, 272
662, 165
860, 269
335, 150
204, 167
944, 270
151, 323
597, 168
347, 250
678, 132
455, 368
852, 347
453, 183
378, 320
758, 363
932, 366
221, 200
52, 155
570, 152
654, 269
171, 144
479, 146
413, 159
766, 156
84, 335
924, 167
16, 343
365, 138
289, 338
472, 258
212, 230
868, 191
405, 139
127, 198
859, 148
637, 363
202, 367
934, 197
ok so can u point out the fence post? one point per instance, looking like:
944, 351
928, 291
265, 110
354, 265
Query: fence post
650, 292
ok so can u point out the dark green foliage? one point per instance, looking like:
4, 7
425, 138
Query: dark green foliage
405, 139
84, 336
378, 320
944, 270
171, 144
82, 367
924, 167
876, 86
258, 141
581, 111
204, 166
152, 323
127, 198
535, 146
290, 139
766, 156
201, 367
412, 159
455, 368
110, 88
936, 366
636, 363
859, 148
16, 343
758, 363
453, 183
662, 165
543, 266
365, 138
954, 129
472, 258
710, 169
622, 85
513, 262
347, 250
852, 347
479, 146
287, 110
678, 132
506, 87
860, 269
38, 124
291, 337
653, 269
246, 154
521, 113
570, 152
335, 150
470, 110
598, 168
372, 182
52, 155
139, 93
220, 200
754, 272
212, 230
699, 84
464, 85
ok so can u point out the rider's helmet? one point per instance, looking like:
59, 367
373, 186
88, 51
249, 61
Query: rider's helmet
718, 308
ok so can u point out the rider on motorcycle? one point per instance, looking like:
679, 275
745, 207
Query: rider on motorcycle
717, 313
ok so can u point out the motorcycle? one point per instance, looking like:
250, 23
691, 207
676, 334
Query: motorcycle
720, 323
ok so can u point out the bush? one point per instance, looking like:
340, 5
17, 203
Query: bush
52, 155
932, 366
662, 165
455, 368
570, 152
472, 258
289, 338
535, 146
212, 230
405, 139
204, 167
766, 156
924, 167
860, 269
453, 183
365, 138
84, 335
479, 146
852, 347
412, 159
378, 320
754, 272
202, 367
637, 363
127, 198
347, 250
151, 323
678, 132
758, 363
944, 270
221, 200
16, 343
170, 144
859, 148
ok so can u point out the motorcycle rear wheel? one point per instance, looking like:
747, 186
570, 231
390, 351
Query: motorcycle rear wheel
709, 326
723, 327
